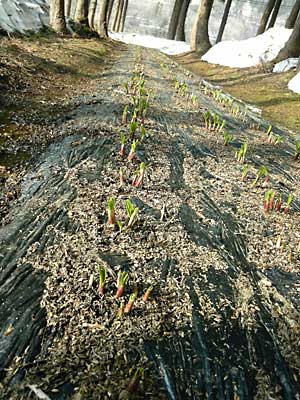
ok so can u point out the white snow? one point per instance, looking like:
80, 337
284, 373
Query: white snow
164, 45
285, 65
249, 52
21, 16
294, 84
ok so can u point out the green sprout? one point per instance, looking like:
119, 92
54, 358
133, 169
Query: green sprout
207, 119
102, 279
269, 199
133, 127
263, 172
194, 99
122, 177
143, 133
131, 155
138, 181
288, 203
111, 211
124, 115
121, 283
297, 150
241, 154
123, 142
245, 172
227, 138
132, 213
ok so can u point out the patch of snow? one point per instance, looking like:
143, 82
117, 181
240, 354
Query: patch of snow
249, 52
285, 65
22, 16
164, 45
294, 84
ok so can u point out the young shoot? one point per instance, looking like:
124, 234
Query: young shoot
131, 301
133, 127
132, 153
102, 279
148, 293
135, 381
123, 142
140, 178
121, 283
125, 115
241, 154
111, 211
288, 203
227, 138
269, 199
194, 99
245, 172
132, 213
262, 173
297, 150
122, 177
207, 119
143, 133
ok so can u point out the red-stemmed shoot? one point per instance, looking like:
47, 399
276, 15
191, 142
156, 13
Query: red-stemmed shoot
135, 381
131, 301
288, 203
140, 178
123, 143
121, 283
122, 177
148, 293
102, 279
132, 153
278, 203
269, 200
111, 211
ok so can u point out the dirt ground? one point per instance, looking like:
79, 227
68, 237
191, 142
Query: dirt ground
222, 321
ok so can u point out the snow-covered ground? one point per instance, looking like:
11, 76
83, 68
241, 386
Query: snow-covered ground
21, 16
294, 84
164, 45
249, 52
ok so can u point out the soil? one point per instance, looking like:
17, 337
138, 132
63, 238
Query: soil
223, 318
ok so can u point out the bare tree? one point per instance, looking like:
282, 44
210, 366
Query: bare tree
68, 4
274, 14
102, 24
224, 20
82, 12
265, 17
292, 46
118, 23
118, 11
109, 10
124, 14
57, 16
290, 22
199, 37
180, 33
92, 12
174, 20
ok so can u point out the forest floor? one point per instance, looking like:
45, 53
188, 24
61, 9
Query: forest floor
223, 320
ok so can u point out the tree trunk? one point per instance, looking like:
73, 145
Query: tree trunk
290, 22
92, 12
123, 17
199, 37
82, 12
109, 10
68, 4
180, 34
292, 46
117, 14
174, 20
118, 24
57, 16
265, 17
102, 26
274, 14
224, 20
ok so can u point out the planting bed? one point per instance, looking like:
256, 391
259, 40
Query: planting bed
222, 321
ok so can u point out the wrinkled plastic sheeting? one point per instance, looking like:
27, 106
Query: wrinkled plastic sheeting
21, 16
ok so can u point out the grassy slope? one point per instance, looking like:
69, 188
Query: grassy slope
267, 91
